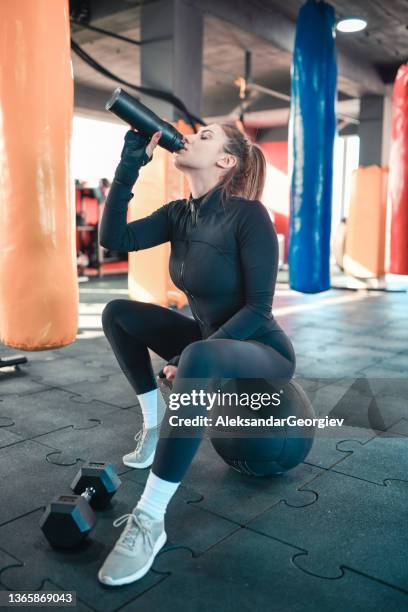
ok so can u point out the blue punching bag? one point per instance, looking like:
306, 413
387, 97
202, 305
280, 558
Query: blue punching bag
312, 130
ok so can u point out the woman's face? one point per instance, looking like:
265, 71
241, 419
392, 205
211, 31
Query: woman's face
204, 150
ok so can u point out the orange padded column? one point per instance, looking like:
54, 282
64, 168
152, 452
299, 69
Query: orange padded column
38, 279
159, 182
398, 183
148, 273
364, 254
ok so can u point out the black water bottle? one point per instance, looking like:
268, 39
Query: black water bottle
141, 118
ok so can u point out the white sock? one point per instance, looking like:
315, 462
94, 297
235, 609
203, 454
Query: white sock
156, 496
153, 407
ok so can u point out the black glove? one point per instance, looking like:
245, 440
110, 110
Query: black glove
133, 157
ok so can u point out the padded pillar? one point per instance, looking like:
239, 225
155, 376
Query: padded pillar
398, 179
38, 279
312, 132
364, 253
159, 182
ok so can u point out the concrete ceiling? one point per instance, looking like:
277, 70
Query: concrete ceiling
384, 41
224, 46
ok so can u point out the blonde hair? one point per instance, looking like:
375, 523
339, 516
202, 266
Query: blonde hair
247, 178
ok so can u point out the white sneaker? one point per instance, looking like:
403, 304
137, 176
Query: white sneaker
134, 552
143, 455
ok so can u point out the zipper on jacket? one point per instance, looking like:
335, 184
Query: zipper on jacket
193, 211
192, 299
182, 282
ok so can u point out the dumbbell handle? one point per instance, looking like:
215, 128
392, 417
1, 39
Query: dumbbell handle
88, 493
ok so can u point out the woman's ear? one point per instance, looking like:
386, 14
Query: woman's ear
227, 161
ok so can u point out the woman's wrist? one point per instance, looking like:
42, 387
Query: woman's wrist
126, 174
133, 157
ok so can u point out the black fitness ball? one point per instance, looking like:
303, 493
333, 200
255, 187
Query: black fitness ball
263, 450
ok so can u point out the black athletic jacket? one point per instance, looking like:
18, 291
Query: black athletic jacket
224, 256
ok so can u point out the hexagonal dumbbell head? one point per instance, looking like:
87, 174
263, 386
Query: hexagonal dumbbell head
99, 478
67, 521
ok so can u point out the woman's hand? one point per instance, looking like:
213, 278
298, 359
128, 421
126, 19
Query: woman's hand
153, 142
170, 372
137, 152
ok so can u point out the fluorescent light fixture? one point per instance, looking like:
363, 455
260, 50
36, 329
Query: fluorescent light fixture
351, 24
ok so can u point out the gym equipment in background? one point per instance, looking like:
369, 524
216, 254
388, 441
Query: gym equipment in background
364, 248
359, 243
264, 450
312, 129
140, 117
149, 278
37, 223
68, 519
92, 258
12, 360
398, 175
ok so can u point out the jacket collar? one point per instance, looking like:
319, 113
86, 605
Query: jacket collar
198, 207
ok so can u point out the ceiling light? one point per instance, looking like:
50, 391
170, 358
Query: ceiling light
351, 24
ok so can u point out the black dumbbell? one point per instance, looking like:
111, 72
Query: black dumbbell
68, 519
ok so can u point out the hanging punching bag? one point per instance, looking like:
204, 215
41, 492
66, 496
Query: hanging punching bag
38, 278
398, 175
311, 137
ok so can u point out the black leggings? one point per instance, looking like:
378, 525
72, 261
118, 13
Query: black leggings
133, 327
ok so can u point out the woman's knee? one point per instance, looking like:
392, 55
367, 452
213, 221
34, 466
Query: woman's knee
198, 359
111, 312
291, 357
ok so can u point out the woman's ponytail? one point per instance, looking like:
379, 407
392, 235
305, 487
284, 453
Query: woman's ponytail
255, 174
247, 178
